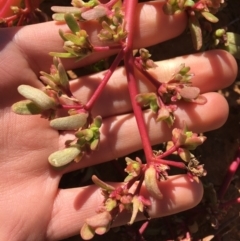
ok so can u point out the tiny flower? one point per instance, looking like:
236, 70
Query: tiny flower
133, 168
187, 139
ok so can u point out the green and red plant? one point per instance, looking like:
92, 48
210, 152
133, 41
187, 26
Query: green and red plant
64, 112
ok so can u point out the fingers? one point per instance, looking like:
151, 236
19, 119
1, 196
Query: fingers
120, 135
213, 70
44, 38
73, 206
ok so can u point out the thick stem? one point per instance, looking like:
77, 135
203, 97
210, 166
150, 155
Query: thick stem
104, 81
130, 7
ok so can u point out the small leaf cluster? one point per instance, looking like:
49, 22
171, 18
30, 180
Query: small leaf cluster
196, 11
77, 44
178, 88
50, 103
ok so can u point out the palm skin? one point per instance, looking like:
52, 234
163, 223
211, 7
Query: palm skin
31, 205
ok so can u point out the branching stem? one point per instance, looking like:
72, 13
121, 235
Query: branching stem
104, 81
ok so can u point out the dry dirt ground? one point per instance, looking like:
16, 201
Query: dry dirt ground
216, 153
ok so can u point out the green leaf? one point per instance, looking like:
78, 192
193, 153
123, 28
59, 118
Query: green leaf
72, 122
61, 33
26, 107
151, 183
71, 51
64, 157
233, 45
62, 55
58, 17
73, 38
37, 96
63, 76
196, 32
210, 17
72, 23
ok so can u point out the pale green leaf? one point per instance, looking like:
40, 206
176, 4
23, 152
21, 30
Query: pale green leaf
73, 38
196, 32
62, 55
63, 76
71, 122
26, 107
210, 17
37, 96
63, 157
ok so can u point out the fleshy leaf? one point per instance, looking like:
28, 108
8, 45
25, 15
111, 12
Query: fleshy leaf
71, 122
26, 107
63, 76
63, 157
87, 232
73, 38
189, 92
151, 183
58, 17
102, 184
233, 44
37, 96
210, 17
72, 23
196, 32
62, 55
94, 13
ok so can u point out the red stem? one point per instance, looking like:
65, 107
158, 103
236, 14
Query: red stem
104, 81
148, 76
228, 178
170, 163
230, 203
130, 7
168, 152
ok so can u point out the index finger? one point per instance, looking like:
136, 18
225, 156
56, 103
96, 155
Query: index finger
152, 27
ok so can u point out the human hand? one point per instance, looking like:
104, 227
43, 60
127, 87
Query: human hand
32, 207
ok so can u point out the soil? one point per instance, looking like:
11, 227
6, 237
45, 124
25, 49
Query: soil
216, 153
